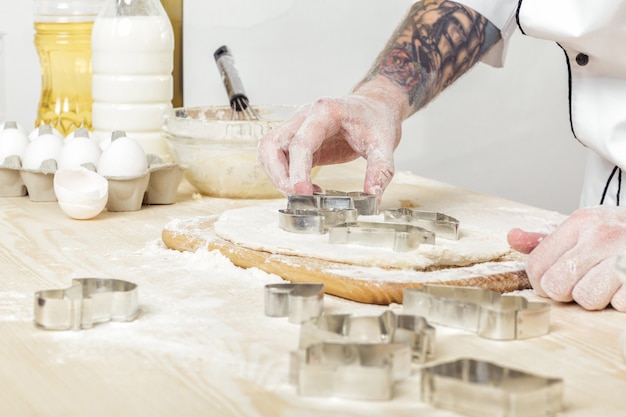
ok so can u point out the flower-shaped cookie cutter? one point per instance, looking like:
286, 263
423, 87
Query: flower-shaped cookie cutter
87, 302
298, 301
487, 313
483, 389
444, 226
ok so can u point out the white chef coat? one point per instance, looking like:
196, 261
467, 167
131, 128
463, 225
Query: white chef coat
593, 36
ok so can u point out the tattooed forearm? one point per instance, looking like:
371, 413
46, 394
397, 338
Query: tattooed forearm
437, 42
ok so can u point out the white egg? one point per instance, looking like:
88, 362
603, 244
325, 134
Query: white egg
35, 132
102, 138
81, 193
124, 157
46, 146
78, 151
13, 141
19, 127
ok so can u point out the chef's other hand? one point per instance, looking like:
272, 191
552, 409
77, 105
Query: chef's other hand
576, 262
366, 123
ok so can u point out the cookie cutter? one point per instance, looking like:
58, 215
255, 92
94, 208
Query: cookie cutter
482, 389
443, 225
319, 201
398, 236
359, 357
365, 204
87, 302
487, 313
314, 221
297, 301
388, 327
355, 371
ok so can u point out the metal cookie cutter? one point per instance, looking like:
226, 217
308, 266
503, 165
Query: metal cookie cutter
485, 312
363, 371
443, 225
314, 221
366, 204
297, 301
387, 327
400, 237
483, 389
87, 302
359, 357
319, 201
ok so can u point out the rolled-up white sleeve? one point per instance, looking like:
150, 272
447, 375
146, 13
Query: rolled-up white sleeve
502, 14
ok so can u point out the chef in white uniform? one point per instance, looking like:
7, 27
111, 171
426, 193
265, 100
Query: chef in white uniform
437, 42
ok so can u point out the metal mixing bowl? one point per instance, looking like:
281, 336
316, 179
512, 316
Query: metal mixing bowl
219, 155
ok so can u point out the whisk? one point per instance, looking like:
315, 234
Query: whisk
242, 110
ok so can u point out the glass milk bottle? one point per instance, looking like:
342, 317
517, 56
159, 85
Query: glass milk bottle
132, 46
63, 43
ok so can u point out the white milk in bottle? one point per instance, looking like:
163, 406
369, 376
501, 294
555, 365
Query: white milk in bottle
132, 59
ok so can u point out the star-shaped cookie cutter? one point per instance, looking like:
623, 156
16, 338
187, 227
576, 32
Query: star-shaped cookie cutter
483, 389
487, 313
298, 301
87, 302
359, 356
441, 224
398, 236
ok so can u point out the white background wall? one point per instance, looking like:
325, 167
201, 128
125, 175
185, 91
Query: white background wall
500, 131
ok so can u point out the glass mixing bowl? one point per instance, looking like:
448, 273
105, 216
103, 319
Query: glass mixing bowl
219, 154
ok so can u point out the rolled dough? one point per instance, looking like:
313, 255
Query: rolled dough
482, 239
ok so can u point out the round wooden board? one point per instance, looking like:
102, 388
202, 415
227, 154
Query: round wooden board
197, 234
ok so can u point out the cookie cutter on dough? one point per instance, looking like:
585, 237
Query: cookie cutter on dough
443, 225
319, 201
314, 221
355, 371
482, 389
297, 301
87, 302
366, 204
397, 236
487, 313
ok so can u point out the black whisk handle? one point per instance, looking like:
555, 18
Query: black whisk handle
230, 77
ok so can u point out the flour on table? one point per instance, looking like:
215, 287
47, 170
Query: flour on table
257, 228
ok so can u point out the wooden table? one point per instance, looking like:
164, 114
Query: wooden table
202, 345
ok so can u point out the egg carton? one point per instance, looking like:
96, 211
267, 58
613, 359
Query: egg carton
157, 185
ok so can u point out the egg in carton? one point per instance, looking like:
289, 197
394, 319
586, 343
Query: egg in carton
80, 175
135, 178
39, 163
